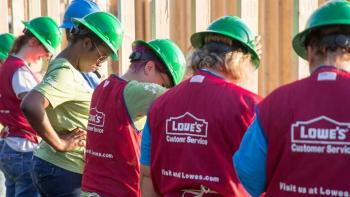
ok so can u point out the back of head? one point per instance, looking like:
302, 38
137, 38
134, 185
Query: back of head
6, 42
227, 46
78, 9
104, 26
327, 33
169, 54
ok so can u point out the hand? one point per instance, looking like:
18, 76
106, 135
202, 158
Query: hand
259, 46
72, 140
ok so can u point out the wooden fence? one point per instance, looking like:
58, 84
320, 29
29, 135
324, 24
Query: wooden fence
275, 20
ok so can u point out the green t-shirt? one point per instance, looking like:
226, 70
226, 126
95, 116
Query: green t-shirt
69, 96
138, 98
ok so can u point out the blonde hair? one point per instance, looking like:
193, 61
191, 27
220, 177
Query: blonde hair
222, 54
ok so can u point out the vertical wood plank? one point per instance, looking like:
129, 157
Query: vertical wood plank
34, 8
4, 16
288, 65
250, 15
148, 20
233, 7
202, 14
160, 19
271, 42
305, 10
17, 16
218, 9
176, 21
127, 18
139, 19
53, 10
180, 18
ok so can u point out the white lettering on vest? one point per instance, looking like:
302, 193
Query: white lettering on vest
323, 133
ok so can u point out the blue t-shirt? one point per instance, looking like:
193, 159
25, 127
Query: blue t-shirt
146, 146
92, 79
250, 160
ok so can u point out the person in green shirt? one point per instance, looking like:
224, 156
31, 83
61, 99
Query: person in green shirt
58, 107
117, 116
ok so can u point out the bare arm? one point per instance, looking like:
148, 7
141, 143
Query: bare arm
33, 106
147, 189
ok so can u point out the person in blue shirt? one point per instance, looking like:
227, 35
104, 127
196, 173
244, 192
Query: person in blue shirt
266, 161
79, 9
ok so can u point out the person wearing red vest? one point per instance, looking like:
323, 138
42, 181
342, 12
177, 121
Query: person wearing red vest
117, 116
6, 42
298, 144
194, 128
18, 138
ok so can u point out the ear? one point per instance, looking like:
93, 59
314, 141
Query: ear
149, 68
33, 42
87, 43
309, 52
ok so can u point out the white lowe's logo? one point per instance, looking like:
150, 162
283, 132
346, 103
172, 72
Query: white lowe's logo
187, 124
320, 130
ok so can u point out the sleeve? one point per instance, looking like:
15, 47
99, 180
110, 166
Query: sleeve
250, 160
139, 97
146, 146
23, 81
58, 86
92, 79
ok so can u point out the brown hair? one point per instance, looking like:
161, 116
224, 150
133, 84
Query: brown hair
224, 55
323, 49
21, 41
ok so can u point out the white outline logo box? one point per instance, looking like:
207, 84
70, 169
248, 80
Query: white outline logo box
169, 120
299, 123
99, 113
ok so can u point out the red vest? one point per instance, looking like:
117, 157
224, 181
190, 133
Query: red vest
113, 145
10, 112
195, 128
307, 124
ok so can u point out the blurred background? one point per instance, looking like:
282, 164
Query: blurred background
276, 21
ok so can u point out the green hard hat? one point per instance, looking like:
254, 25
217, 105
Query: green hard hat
336, 12
46, 30
232, 27
107, 27
6, 42
170, 54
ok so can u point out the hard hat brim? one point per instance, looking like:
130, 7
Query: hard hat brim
78, 21
3, 56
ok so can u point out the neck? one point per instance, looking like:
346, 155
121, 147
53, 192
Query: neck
132, 75
344, 65
24, 54
71, 56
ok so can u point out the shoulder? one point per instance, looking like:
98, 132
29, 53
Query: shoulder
285, 92
59, 63
145, 89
